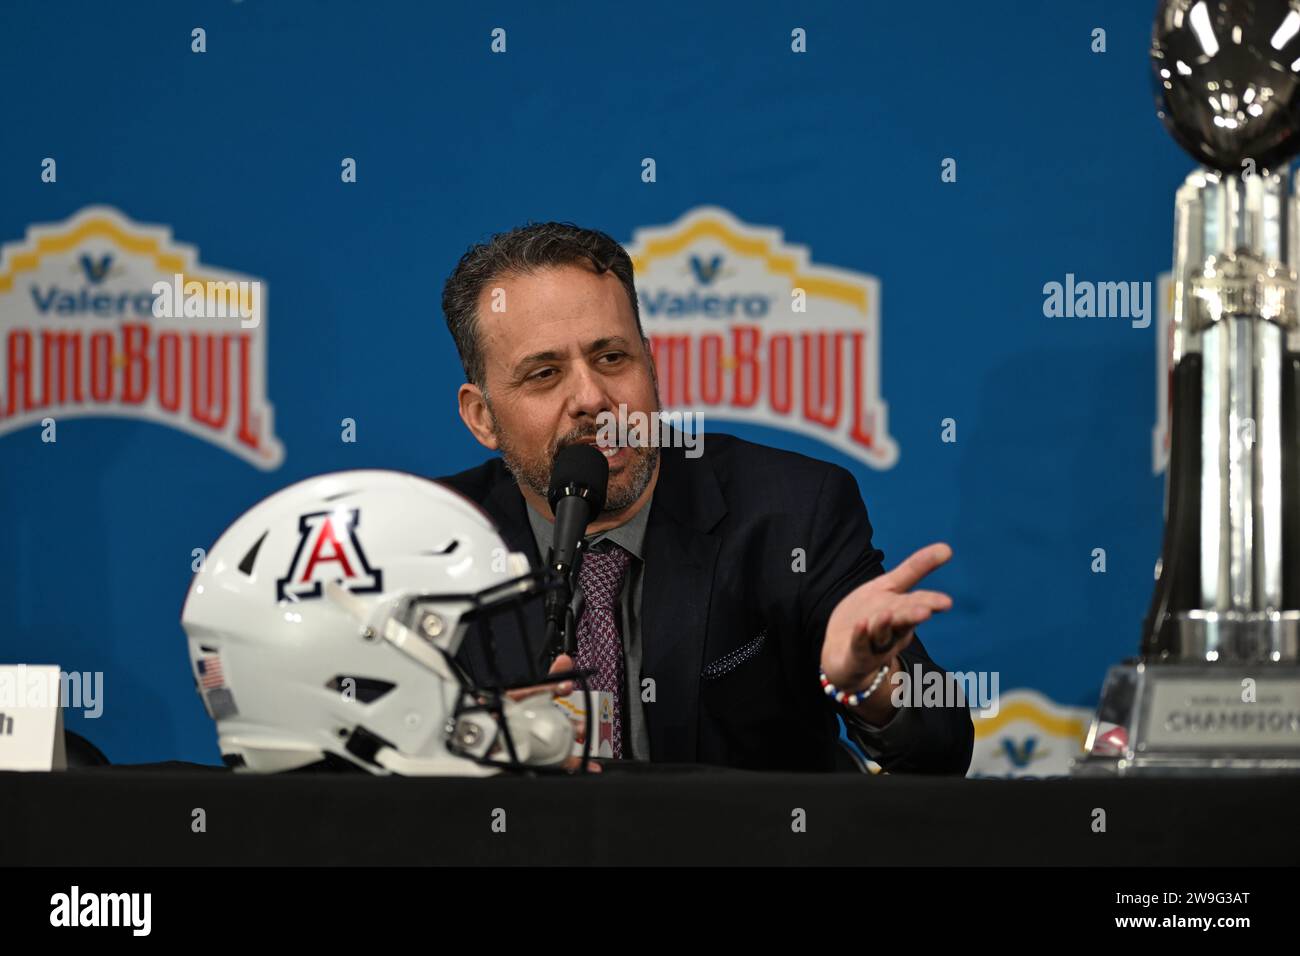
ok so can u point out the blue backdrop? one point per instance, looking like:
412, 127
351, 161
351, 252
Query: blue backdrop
1062, 168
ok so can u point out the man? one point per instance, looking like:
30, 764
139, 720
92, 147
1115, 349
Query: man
715, 585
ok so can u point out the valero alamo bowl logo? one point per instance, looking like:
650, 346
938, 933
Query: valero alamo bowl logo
102, 316
745, 328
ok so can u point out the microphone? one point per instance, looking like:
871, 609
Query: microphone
579, 480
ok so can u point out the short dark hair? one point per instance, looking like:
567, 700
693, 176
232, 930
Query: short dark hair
521, 251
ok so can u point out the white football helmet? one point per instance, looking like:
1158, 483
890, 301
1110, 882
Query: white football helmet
323, 627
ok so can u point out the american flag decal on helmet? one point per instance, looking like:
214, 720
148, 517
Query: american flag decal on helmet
211, 680
210, 675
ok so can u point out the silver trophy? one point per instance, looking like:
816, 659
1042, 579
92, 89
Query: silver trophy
1216, 688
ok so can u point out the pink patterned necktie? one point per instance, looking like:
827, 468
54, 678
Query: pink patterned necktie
600, 646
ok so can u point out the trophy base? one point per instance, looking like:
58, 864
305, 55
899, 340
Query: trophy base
1157, 719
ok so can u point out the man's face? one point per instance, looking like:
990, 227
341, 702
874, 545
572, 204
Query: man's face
564, 350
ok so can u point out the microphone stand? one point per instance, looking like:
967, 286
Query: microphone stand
565, 641
572, 614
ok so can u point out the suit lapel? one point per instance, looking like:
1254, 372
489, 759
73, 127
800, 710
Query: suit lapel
680, 557
506, 506
508, 509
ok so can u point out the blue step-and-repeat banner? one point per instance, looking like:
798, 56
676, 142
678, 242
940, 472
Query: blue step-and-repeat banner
976, 200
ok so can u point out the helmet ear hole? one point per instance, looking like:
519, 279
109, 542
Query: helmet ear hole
365, 690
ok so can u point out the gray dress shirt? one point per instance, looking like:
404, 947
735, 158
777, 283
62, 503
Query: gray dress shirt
631, 538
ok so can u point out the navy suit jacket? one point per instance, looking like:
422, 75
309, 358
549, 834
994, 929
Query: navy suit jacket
720, 586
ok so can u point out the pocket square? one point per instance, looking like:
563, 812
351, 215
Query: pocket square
730, 661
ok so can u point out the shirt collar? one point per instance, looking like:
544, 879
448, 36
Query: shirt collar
629, 536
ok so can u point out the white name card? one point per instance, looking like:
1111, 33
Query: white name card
31, 718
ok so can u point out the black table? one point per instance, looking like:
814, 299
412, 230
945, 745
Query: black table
639, 814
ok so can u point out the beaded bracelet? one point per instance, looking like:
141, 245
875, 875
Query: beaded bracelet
844, 697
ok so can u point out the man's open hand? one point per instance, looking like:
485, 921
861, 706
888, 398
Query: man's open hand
883, 612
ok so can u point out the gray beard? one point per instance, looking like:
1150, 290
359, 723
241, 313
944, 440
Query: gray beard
536, 476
